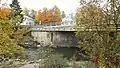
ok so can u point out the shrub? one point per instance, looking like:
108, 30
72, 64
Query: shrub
54, 61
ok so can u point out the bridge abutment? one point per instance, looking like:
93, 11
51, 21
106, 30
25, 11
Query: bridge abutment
55, 39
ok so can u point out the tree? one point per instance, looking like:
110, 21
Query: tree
90, 16
11, 34
4, 13
29, 12
16, 18
25, 11
8, 46
56, 14
112, 16
16, 11
63, 14
96, 39
32, 13
16, 7
38, 16
49, 15
44, 14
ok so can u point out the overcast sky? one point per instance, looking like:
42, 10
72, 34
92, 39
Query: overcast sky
68, 6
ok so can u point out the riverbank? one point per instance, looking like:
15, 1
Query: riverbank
15, 63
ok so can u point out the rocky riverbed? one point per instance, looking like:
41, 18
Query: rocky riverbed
34, 55
15, 63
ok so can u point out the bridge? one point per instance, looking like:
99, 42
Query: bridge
61, 35
52, 28
69, 28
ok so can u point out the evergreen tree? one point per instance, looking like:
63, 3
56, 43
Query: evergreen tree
63, 14
16, 9
17, 18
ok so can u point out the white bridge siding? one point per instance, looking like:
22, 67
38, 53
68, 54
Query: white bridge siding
42, 38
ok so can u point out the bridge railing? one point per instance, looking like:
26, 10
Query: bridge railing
73, 28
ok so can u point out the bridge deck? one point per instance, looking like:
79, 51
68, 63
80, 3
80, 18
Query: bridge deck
53, 28
66, 28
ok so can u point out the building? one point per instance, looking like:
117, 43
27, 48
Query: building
28, 21
68, 20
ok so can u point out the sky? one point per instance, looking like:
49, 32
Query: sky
69, 6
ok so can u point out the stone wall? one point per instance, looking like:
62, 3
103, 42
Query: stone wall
42, 38
62, 39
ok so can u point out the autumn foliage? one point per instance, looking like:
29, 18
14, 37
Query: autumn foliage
4, 13
49, 15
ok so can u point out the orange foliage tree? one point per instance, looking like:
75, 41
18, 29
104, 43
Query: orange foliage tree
44, 15
47, 16
4, 13
56, 14
38, 16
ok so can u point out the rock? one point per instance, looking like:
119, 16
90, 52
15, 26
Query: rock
34, 65
31, 62
38, 45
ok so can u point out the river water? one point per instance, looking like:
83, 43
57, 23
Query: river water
34, 54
